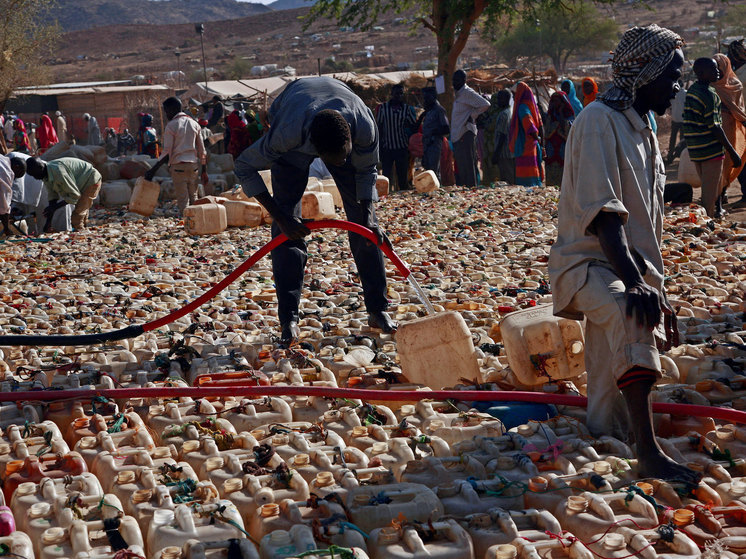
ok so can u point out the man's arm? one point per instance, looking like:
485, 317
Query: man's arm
723, 139
643, 301
168, 142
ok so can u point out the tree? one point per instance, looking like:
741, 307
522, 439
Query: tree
736, 18
238, 68
25, 38
451, 21
558, 33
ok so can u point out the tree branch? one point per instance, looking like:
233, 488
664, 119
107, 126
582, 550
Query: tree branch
427, 24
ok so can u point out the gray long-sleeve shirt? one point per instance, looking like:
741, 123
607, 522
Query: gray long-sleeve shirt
288, 137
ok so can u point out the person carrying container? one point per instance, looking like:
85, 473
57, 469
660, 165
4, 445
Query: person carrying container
69, 181
318, 117
606, 263
184, 151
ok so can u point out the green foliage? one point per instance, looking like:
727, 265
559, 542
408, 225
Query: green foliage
736, 18
238, 68
26, 36
557, 32
332, 65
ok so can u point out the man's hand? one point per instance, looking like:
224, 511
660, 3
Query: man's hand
293, 228
645, 304
51, 208
670, 325
205, 178
380, 235
735, 158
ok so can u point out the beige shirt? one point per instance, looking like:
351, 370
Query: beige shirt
182, 141
467, 103
612, 164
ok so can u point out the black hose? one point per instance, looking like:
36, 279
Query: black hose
82, 339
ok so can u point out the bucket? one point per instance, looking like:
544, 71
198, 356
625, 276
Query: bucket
542, 347
144, 197
318, 205
243, 214
437, 350
205, 219
426, 182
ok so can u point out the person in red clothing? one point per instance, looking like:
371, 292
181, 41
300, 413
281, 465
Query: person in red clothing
238, 129
46, 135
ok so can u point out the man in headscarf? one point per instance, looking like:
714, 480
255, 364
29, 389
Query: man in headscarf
60, 124
94, 132
606, 264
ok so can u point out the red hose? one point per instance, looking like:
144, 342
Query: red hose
274, 243
723, 414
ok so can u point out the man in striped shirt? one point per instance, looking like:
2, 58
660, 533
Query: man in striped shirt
395, 121
704, 134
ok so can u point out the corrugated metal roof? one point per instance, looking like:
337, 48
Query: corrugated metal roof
44, 91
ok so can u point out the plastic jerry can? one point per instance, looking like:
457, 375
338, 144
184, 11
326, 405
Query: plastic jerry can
35, 468
18, 545
465, 427
236, 193
205, 219
282, 481
193, 549
115, 193
108, 465
327, 460
274, 516
144, 502
250, 414
144, 198
309, 408
437, 350
627, 541
82, 539
317, 205
281, 543
565, 547
195, 453
7, 521
171, 528
446, 540
500, 527
382, 186
376, 506
90, 447
330, 186
60, 513
541, 347
91, 426
288, 444
462, 497
433, 471
49, 491
250, 493
31, 446
243, 214
427, 181
63, 413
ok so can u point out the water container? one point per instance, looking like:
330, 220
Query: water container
243, 214
382, 186
281, 543
116, 193
237, 194
205, 219
500, 527
445, 540
374, 506
41, 438
318, 205
688, 171
333, 461
35, 468
171, 528
90, 447
250, 414
92, 426
437, 350
513, 414
465, 426
144, 199
287, 445
195, 453
330, 187
542, 347
193, 549
282, 516
50, 491
461, 498
566, 547
82, 539
18, 545
108, 465
144, 502
628, 541
426, 181
432, 471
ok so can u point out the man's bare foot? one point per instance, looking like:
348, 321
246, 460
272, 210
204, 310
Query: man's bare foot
660, 466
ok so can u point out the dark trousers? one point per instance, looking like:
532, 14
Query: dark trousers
506, 169
675, 129
742, 180
400, 158
431, 155
289, 259
465, 154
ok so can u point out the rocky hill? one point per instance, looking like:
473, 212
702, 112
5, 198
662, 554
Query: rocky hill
75, 15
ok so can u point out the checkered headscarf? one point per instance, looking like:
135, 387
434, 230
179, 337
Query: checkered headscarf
642, 55
737, 52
